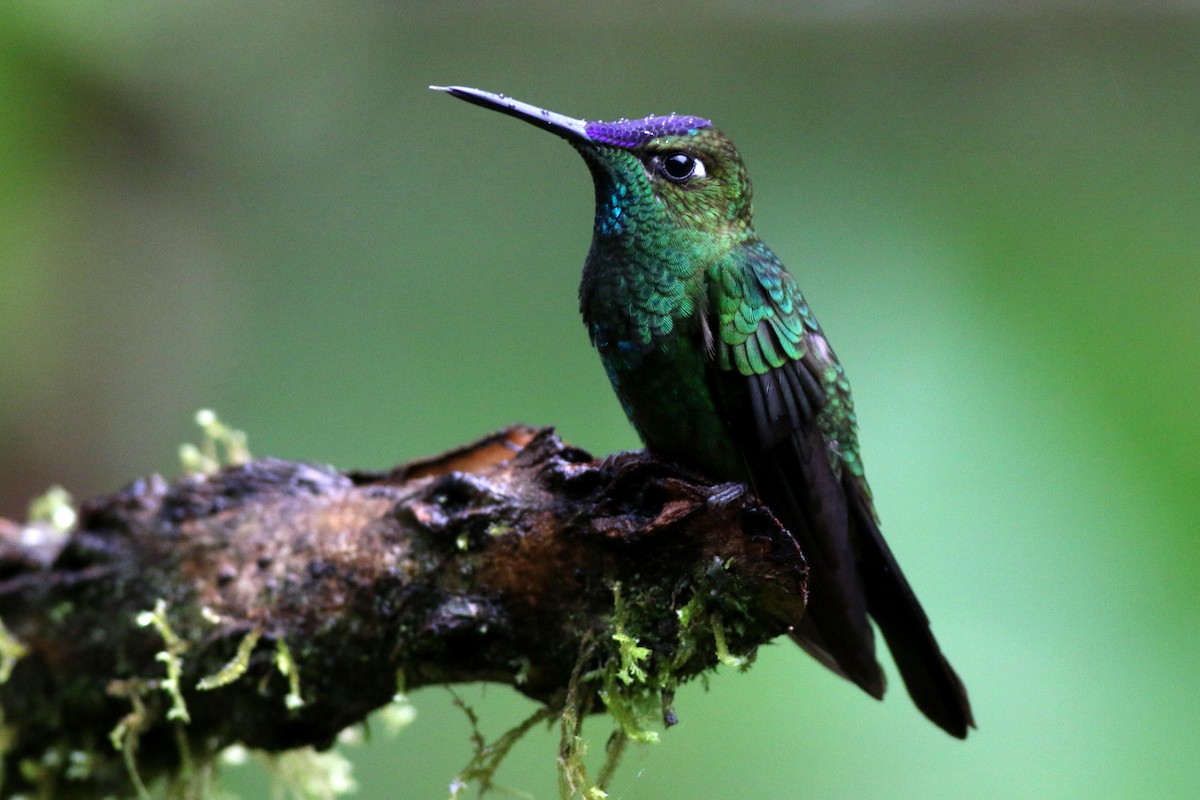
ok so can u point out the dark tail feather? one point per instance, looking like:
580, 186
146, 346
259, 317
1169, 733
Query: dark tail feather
931, 681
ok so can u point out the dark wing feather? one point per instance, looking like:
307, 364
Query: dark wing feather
770, 391
781, 390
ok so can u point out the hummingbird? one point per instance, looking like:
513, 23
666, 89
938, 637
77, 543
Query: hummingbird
722, 368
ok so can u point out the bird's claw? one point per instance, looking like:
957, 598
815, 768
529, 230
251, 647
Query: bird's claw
724, 494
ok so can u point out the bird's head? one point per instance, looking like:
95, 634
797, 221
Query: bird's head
676, 170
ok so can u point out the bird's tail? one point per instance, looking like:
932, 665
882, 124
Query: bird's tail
933, 684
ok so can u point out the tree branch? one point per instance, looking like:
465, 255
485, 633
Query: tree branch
504, 561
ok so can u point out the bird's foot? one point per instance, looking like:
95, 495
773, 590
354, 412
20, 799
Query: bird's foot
725, 494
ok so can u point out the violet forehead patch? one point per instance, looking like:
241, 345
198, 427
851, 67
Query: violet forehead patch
635, 132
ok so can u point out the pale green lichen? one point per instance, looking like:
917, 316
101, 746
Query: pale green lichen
54, 508
11, 651
632, 703
573, 779
723, 654
521, 667
192, 780
236, 666
171, 657
305, 774
632, 655
286, 664
211, 616
124, 736
235, 755
80, 764
47, 772
60, 611
481, 769
632, 712
206, 459
397, 715
188, 775
499, 529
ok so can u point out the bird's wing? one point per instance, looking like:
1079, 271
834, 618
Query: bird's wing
783, 393
776, 386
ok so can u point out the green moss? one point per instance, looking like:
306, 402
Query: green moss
60, 612
125, 735
305, 774
206, 458
723, 654
629, 668
481, 769
627, 690
637, 679
397, 715
54, 508
11, 651
499, 529
286, 664
171, 657
235, 667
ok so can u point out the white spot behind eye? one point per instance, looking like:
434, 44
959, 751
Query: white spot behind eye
698, 171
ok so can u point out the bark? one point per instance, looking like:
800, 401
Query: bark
500, 561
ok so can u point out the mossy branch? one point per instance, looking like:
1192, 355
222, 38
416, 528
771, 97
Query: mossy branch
272, 604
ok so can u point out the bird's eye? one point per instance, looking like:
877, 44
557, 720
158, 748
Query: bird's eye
678, 167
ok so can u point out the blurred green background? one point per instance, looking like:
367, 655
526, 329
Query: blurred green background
261, 208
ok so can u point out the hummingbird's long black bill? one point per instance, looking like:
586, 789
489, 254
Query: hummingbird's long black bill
567, 127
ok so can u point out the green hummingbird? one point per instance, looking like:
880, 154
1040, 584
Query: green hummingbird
722, 368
